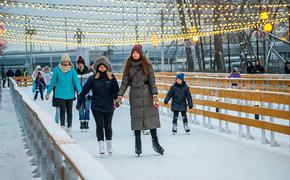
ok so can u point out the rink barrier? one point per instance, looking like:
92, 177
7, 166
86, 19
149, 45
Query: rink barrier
225, 75
24, 81
275, 85
56, 155
216, 102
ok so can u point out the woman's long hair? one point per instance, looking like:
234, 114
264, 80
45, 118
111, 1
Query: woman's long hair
144, 65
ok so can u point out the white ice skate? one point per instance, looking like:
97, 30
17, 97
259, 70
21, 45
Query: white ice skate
174, 129
101, 147
109, 147
186, 128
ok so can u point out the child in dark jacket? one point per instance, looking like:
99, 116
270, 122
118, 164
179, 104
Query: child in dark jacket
38, 86
179, 92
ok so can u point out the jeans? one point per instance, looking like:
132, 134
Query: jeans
84, 112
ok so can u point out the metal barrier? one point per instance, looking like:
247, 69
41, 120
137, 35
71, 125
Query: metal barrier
55, 153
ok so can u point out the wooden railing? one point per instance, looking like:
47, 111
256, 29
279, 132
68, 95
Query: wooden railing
24, 81
257, 109
224, 75
264, 107
275, 85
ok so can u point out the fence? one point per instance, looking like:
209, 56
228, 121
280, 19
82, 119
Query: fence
257, 109
55, 153
250, 109
224, 75
275, 85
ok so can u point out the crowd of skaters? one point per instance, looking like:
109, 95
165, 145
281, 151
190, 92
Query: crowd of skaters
96, 90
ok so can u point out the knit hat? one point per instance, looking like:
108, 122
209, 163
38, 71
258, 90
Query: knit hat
81, 60
180, 76
138, 49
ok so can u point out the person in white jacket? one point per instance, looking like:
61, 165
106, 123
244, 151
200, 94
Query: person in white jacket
35, 73
84, 73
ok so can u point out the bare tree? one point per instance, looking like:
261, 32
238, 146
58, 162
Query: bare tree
188, 50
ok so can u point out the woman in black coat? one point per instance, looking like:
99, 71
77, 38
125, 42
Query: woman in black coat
179, 93
104, 87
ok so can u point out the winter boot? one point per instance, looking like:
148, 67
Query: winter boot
63, 127
101, 147
68, 130
138, 147
157, 147
87, 124
109, 147
82, 125
186, 127
174, 129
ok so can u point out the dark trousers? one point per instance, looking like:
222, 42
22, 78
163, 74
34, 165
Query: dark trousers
36, 94
175, 117
153, 133
4, 82
103, 122
65, 106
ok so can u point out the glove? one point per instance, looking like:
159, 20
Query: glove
47, 96
78, 107
190, 107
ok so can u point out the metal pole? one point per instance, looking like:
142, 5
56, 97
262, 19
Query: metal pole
162, 42
229, 53
257, 44
65, 34
50, 56
210, 52
26, 48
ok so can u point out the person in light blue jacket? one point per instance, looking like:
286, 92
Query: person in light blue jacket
66, 81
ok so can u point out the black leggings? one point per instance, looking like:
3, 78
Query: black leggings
175, 117
153, 133
103, 121
65, 106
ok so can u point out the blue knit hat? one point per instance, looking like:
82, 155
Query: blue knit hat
180, 76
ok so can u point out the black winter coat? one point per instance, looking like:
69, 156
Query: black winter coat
10, 73
18, 73
259, 69
179, 94
104, 90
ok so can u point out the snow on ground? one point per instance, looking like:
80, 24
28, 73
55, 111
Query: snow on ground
14, 162
203, 155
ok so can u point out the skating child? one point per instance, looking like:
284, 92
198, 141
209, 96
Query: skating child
181, 98
38, 86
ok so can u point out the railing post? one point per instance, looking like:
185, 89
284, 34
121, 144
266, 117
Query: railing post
263, 131
204, 125
210, 126
272, 134
241, 134
194, 121
248, 130
227, 129
217, 110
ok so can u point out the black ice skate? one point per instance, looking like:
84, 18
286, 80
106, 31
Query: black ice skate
157, 147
